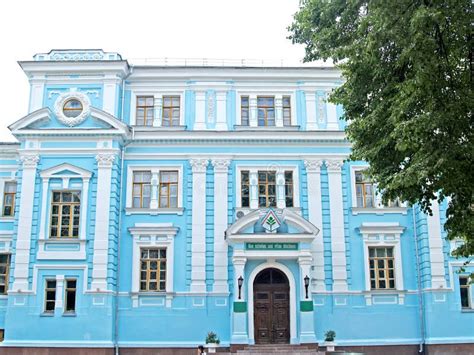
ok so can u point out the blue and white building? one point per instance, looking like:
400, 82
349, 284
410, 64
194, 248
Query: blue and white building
144, 206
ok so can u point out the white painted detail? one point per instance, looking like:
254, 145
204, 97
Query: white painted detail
311, 124
221, 122
438, 279
59, 108
200, 123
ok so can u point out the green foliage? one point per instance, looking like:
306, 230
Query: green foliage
407, 95
330, 335
212, 338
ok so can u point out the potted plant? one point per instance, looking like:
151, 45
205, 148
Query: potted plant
329, 342
212, 341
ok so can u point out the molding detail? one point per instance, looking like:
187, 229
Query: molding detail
105, 160
199, 165
313, 165
72, 121
221, 165
334, 165
30, 160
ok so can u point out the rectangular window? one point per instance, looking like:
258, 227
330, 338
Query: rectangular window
289, 201
266, 189
65, 210
364, 190
2, 335
266, 111
245, 188
49, 296
70, 296
244, 111
9, 194
145, 110
4, 272
168, 189
141, 189
286, 110
152, 269
171, 108
465, 290
382, 270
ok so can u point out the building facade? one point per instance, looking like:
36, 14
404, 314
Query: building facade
144, 206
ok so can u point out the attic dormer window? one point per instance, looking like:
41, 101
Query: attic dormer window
72, 108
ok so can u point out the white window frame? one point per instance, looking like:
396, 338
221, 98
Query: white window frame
388, 234
158, 95
3, 182
469, 292
263, 92
152, 235
155, 171
268, 167
379, 207
44, 240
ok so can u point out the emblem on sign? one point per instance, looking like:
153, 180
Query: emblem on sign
271, 222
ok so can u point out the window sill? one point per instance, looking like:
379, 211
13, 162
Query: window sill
152, 299
266, 128
467, 310
7, 218
61, 248
158, 128
70, 314
47, 314
378, 211
384, 297
152, 211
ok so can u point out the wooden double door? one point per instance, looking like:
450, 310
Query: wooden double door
271, 291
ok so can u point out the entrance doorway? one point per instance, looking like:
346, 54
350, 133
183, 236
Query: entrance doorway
271, 293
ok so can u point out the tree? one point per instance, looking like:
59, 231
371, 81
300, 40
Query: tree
407, 95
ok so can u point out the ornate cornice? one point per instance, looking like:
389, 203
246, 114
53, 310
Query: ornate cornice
30, 160
199, 165
334, 165
105, 160
221, 165
313, 165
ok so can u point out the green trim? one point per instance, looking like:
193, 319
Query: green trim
306, 306
240, 307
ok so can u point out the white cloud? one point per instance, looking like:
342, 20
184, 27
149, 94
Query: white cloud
252, 29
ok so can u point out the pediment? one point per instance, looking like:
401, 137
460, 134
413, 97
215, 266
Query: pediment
45, 122
65, 170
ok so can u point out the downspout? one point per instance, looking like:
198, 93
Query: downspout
116, 310
421, 311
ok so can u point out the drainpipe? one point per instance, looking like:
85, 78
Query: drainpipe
421, 311
116, 310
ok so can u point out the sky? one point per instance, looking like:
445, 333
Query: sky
231, 29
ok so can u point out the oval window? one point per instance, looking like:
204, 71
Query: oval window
72, 108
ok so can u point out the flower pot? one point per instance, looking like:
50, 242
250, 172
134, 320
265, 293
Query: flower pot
330, 345
211, 347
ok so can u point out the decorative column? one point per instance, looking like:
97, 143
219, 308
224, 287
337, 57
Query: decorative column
438, 279
25, 218
280, 189
315, 214
239, 314
102, 221
59, 305
279, 111
200, 123
221, 167
157, 110
311, 124
253, 119
253, 180
198, 247
338, 243
221, 122
306, 301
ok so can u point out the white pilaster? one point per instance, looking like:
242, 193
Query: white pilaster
253, 119
311, 124
253, 180
305, 261
221, 167
438, 279
84, 205
333, 123
221, 122
154, 189
315, 214
200, 123
44, 206
59, 304
110, 94
279, 111
101, 233
338, 244
25, 217
198, 248
36, 93
280, 189
158, 106
239, 271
